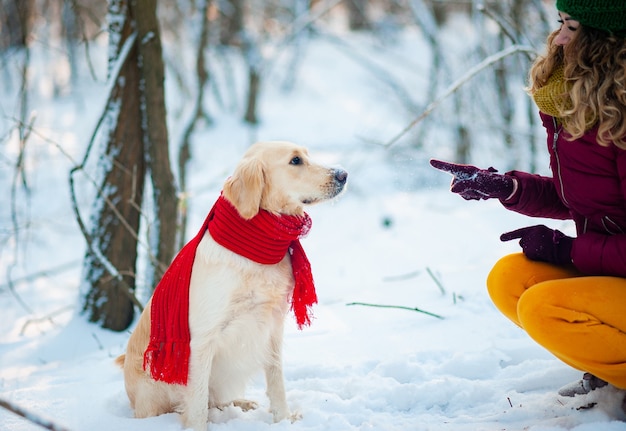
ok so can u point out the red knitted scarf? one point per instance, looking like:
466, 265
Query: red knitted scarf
265, 239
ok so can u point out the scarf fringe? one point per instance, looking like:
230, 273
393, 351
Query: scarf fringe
304, 295
168, 362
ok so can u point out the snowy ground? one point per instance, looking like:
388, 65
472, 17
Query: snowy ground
357, 367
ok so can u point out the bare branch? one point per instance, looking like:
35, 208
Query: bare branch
452, 88
507, 26
184, 154
381, 73
110, 268
47, 317
43, 273
31, 417
80, 167
19, 172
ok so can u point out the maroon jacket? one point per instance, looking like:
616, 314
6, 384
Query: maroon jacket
588, 185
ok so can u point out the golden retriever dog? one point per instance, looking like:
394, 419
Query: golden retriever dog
236, 306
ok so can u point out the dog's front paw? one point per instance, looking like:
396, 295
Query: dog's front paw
281, 414
245, 405
194, 425
195, 420
295, 416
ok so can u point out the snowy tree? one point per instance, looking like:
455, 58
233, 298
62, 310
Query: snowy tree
134, 129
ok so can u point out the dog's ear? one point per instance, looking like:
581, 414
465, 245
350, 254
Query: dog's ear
244, 189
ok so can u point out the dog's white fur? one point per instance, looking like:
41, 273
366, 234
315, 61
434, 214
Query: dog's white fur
236, 306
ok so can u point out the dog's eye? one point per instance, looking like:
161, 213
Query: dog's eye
296, 161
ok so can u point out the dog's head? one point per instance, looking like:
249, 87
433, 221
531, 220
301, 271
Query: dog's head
280, 177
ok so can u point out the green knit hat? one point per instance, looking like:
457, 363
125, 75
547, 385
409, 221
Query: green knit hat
607, 15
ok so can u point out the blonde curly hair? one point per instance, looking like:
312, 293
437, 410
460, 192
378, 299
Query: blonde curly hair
594, 67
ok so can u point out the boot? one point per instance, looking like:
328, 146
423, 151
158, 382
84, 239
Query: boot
588, 383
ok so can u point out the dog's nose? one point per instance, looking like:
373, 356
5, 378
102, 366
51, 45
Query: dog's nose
341, 176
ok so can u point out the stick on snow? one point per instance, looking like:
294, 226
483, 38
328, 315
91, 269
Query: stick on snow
400, 307
30, 416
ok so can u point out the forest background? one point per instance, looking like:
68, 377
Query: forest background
219, 56
120, 120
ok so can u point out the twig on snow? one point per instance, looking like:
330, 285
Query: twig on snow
402, 276
399, 307
436, 280
30, 416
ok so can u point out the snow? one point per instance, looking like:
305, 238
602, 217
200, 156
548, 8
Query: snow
385, 241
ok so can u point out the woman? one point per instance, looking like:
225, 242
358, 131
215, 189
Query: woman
569, 294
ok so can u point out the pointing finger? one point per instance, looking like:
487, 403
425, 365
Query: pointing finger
459, 171
518, 233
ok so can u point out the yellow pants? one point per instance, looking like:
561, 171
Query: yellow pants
580, 319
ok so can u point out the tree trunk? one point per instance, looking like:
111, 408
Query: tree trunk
231, 21
137, 144
15, 17
357, 14
107, 301
254, 81
155, 137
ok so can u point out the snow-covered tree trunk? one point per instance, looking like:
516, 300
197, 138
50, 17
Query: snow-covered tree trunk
122, 169
134, 127
154, 132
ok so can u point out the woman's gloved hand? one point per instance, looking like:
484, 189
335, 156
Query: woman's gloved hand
473, 183
543, 244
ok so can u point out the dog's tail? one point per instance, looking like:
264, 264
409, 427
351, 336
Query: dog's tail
119, 361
